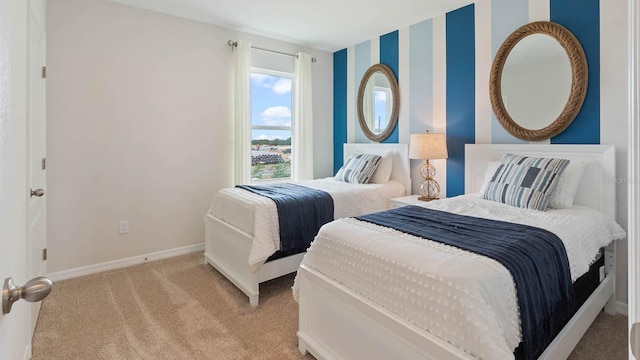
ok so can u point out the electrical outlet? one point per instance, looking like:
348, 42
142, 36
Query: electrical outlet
124, 227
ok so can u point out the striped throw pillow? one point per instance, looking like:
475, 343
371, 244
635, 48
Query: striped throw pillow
525, 182
359, 168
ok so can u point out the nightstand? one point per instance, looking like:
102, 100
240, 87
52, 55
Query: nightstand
407, 200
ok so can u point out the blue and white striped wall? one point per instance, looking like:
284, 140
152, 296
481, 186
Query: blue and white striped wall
443, 64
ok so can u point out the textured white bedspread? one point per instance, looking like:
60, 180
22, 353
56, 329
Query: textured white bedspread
466, 299
258, 216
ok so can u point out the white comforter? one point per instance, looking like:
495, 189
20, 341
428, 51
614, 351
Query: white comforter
467, 299
258, 215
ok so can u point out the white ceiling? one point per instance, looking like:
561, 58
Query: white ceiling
328, 25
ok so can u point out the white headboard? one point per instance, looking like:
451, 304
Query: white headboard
597, 187
400, 173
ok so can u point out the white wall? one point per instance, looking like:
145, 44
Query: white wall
614, 114
139, 129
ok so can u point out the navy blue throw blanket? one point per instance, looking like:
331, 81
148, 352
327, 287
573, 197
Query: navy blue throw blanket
535, 257
301, 212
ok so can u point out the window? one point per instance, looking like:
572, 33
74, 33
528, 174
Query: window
382, 108
271, 108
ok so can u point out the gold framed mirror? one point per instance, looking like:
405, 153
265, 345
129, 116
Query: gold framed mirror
524, 50
378, 102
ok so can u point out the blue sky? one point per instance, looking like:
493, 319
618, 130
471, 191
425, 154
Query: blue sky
270, 105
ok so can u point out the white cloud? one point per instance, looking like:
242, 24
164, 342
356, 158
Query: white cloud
259, 79
277, 111
277, 116
381, 96
279, 85
282, 86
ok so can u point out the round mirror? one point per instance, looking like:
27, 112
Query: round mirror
538, 81
378, 100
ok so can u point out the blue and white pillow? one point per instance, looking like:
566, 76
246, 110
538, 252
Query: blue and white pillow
525, 182
359, 168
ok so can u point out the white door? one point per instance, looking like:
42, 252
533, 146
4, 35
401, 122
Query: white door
14, 327
36, 128
22, 147
634, 185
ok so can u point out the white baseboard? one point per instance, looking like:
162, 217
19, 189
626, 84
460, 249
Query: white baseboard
622, 308
117, 264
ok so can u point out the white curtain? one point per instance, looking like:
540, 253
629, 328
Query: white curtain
242, 112
302, 140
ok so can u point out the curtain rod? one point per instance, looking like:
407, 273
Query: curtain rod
235, 43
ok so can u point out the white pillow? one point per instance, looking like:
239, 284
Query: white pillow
383, 172
562, 197
488, 174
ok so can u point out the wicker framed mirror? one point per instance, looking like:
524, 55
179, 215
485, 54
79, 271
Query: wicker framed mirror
378, 102
514, 51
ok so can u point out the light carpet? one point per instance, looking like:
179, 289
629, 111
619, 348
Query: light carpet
179, 308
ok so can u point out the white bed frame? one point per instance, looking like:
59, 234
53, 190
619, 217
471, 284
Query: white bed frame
227, 247
337, 323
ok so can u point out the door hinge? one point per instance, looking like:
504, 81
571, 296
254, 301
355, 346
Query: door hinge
44, 72
44, 254
44, 163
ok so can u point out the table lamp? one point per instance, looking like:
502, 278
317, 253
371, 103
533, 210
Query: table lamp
427, 147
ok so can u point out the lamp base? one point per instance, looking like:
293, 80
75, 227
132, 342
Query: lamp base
429, 188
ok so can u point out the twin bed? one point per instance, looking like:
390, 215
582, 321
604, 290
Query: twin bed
241, 230
369, 291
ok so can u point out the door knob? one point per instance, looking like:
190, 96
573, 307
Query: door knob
37, 192
34, 290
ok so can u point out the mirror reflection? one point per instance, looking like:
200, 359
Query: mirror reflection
536, 81
378, 102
